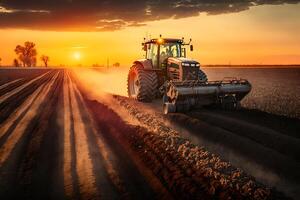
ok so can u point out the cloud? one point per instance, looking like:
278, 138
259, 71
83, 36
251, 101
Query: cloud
109, 15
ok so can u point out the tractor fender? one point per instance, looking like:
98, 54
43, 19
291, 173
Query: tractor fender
145, 63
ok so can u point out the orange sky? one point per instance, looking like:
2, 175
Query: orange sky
262, 35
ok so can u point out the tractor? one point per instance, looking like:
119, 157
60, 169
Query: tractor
166, 73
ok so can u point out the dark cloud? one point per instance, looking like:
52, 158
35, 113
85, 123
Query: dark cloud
108, 15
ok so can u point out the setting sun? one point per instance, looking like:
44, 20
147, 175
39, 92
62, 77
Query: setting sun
77, 55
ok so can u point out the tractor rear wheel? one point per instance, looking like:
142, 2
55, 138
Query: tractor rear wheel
202, 76
142, 85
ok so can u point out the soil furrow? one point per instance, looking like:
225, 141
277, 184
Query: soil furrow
9, 74
118, 133
35, 168
119, 165
9, 83
9, 105
47, 179
106, 154
84, 167
20, 88
20, 111
139, 181
282, 124
68, 181
204, 131
12, 86
19, 130
264, 136
226, 142
74, 175
9, 169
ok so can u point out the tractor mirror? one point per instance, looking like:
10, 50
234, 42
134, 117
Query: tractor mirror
191, 47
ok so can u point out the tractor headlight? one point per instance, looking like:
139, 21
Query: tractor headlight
185, 64
193, 64
198, 65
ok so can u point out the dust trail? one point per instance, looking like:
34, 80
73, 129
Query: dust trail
100, 85
105, 151
113, 81
9, 83
87, 182
68, 186
20, 88
19, 130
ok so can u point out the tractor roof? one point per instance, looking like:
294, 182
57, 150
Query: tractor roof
165, 40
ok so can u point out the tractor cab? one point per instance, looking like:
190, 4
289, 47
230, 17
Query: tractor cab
159, 50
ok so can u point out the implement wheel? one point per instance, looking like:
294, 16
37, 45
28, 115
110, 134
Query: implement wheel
230, 103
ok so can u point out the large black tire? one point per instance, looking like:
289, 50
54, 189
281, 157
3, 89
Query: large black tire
142, 85
202, 76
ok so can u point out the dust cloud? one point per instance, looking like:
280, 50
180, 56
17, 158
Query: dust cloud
110, 81
100, 85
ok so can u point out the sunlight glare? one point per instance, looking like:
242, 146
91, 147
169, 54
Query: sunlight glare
77, 55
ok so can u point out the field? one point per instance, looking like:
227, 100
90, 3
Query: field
275, 90
72, 134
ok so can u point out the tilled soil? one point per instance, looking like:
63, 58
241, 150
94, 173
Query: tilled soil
246, 138
57, 143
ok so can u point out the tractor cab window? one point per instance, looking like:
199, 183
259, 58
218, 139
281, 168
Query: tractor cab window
152, 54
168, 50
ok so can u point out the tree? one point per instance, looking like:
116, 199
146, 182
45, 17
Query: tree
16, 63
27, 54
116, 64
45, 59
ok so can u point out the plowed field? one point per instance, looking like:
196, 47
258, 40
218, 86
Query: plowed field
57, 141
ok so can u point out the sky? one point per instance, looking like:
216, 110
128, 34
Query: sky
73, 32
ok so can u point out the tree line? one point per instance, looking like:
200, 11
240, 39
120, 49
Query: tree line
27, 56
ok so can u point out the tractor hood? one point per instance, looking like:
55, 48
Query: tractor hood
182, 60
